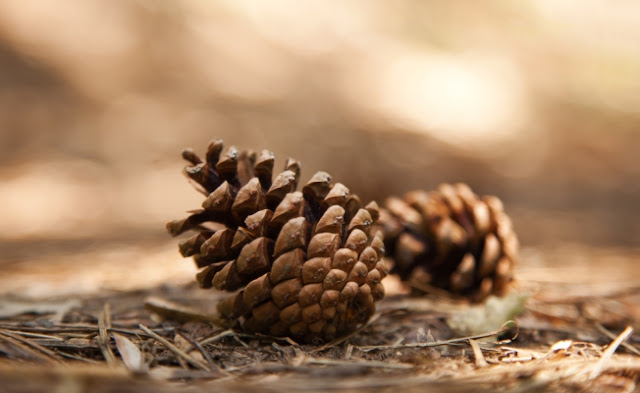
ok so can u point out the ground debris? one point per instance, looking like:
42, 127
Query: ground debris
409, 344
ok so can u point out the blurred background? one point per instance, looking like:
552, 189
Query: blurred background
536, 102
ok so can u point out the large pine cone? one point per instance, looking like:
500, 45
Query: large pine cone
305, 263
450, 239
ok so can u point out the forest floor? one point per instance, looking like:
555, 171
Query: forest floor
85, 323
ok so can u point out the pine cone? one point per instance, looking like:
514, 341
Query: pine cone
305, 263
452, 240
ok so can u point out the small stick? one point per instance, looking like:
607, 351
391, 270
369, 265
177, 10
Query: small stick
204, 353
70, 328
237, 339
177, 351
35, 335
477, 353
30, 347
217, 337
104, 323
348, 352
608, 353
612, 336
498, 332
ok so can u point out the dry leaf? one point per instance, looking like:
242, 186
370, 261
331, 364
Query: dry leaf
489, 316
131, 355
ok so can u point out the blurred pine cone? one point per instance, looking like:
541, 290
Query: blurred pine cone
450, 239
305, 263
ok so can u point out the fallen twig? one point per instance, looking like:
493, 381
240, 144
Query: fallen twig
104, 322
35, 350
612, 336
608, 353
177, 351
506, 327
477, 353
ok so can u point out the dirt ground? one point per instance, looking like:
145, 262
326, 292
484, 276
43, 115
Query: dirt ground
160, 336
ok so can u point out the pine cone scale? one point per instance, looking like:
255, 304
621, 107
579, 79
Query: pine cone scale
287, 265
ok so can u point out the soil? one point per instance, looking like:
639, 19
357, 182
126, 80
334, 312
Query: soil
575, 333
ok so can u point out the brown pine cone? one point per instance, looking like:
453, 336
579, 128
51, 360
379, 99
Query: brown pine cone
450, 239
305, 263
